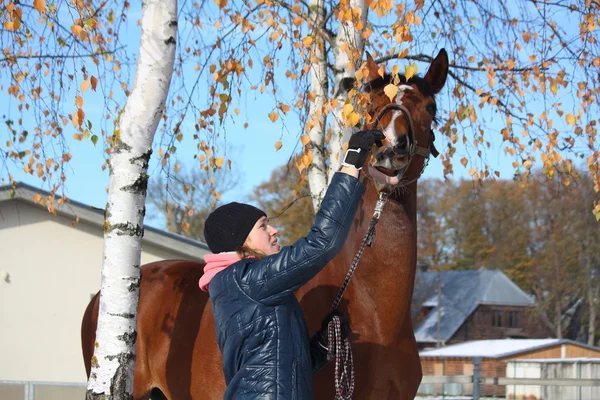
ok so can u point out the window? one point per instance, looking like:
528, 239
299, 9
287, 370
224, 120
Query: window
497, 318
513, 319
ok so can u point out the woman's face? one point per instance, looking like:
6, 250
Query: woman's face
262, 237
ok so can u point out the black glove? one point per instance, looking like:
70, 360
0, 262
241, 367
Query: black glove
359, 146
319, 342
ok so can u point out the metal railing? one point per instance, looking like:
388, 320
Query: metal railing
39, 390
477, 380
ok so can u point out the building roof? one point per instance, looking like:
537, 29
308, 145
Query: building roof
190, 248
462, 293
498, 348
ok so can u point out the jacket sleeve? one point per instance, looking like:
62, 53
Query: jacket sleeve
275, 277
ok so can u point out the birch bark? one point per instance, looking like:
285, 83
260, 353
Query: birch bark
317, 172
348, 51
114, 354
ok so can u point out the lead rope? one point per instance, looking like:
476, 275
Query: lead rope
344, 365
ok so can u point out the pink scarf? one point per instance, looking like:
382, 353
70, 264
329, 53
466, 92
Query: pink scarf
216, 263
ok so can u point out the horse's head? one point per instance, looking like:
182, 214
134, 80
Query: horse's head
405, 120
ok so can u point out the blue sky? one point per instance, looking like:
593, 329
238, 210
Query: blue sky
255, 158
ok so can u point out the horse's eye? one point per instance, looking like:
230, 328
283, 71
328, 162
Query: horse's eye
431, 109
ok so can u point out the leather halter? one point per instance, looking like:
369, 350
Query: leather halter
413, 147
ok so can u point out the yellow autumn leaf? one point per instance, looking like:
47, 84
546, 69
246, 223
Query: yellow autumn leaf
570, 119
554, 88
305, 160
410, 70
85, 85
354, 118
273, 116
526, 36
307, 41
278, 145
79, 101
284, 107
390, 91
219, 161
359, 75
304, 139
347, 109
237, 111
39, 5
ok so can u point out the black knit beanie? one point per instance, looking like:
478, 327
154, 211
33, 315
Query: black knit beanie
227, 228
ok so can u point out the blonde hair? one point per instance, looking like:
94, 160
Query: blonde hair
245, 252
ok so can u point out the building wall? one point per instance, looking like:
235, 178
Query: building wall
451, 366
464, 366
54, 270
480, 325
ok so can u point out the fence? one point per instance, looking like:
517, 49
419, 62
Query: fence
29, 390
476, 380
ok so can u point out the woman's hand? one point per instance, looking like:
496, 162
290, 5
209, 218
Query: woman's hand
359, 147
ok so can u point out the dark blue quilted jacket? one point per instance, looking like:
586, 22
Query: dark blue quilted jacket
260, 326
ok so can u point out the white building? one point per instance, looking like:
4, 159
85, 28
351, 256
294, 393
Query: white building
49, 270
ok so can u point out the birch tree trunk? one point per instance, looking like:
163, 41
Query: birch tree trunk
591, 295
317, 172
348, 52
558, 318
114, 354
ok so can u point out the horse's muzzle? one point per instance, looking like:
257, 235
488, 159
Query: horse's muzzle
390, 160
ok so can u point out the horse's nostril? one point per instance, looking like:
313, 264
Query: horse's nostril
402, 141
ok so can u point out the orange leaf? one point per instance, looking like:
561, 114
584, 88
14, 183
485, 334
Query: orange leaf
94, 82
221, 3
76, 29
39, 5
79, 101
219, 161
307, 41
273, 116
80, 116
305, 139
278, 145
85, 85
75, 120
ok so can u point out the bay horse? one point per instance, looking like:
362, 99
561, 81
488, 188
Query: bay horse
177, 356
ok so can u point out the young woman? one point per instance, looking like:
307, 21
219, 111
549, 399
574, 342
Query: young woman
262, 334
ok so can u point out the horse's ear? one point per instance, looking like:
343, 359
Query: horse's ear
438, 71
372, 68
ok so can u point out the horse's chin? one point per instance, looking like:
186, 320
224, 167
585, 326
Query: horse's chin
385, 179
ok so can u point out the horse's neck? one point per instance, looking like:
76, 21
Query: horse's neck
385, 274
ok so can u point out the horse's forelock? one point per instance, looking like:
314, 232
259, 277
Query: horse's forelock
379, 83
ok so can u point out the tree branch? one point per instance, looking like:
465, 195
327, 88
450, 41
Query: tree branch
58, 56
429, 59
327, 36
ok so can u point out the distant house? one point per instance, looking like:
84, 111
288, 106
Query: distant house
475, 304
495, 355
50, 268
